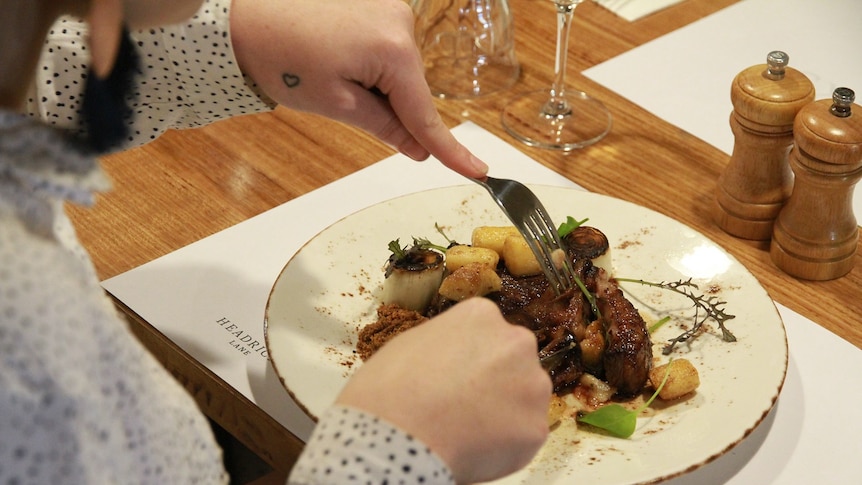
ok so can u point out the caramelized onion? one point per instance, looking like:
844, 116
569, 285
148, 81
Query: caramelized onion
586, 242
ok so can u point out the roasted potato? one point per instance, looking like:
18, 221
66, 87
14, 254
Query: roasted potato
519, 258
492, 237
681, 379
458, 256
473, 279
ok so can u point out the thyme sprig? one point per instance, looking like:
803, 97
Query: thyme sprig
591, 298
705, 308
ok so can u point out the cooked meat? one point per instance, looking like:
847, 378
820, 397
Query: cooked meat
556, 321
567, 374
628, 353
516, 293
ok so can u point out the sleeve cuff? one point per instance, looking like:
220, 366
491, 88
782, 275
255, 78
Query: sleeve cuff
349, 444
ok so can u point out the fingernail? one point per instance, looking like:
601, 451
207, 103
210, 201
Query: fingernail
479, 165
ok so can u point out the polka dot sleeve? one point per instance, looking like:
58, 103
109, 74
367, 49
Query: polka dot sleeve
189, 76
350, 446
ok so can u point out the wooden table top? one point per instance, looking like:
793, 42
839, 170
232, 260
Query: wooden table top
188, 185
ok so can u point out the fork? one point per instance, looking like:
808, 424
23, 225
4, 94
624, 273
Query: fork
527, 213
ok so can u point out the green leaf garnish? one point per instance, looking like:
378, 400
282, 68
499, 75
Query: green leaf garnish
617, 420
410, 256
421, 243
655, 326
570, 225
612, 418
397, 251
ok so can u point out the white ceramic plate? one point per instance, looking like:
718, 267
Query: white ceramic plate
329, 289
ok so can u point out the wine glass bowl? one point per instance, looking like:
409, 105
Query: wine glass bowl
467, 46
558, 118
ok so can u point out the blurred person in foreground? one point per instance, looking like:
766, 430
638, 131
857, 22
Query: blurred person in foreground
81, 401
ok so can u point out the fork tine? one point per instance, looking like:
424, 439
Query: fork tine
567, 274
538, 236
549, 242
553, 237
534, 237
525, 210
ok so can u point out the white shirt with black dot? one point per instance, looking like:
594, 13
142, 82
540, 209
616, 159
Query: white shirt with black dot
350, 446
81, 400
189, 76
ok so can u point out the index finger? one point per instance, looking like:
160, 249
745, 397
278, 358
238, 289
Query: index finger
413, 103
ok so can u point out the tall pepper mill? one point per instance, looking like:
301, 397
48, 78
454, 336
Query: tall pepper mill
815, 235
757, 180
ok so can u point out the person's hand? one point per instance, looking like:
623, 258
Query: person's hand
351, 60
468, 384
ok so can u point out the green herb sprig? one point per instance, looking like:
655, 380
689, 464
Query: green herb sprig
419, 243
570, 225
397, 251
657, 325
451, 242
705, 308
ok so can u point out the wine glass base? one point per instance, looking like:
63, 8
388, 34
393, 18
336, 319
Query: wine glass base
577, 122
460, 80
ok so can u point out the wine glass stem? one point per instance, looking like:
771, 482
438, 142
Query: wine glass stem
557, 105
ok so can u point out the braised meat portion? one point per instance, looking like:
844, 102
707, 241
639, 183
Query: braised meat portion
557, 321
612, 344
628, 354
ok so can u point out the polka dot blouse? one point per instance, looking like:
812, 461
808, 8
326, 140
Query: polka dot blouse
352, 447
81, 401
189, 76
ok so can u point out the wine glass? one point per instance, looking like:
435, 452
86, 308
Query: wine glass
467, 46
559, 119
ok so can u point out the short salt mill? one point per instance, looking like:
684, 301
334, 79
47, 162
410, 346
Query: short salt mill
816, 235
757, 179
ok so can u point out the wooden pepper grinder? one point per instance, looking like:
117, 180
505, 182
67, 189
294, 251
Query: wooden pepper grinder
815, 235
757, 179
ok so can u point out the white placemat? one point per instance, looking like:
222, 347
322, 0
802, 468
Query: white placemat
209, 298
634, 9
